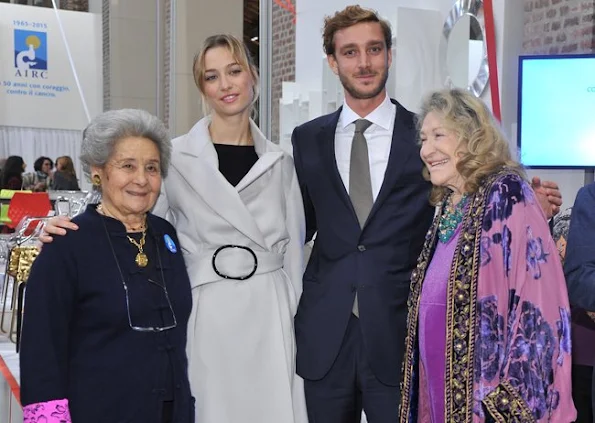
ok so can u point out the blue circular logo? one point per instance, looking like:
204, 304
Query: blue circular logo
170, 244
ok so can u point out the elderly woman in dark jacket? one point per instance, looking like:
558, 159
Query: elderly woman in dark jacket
106, 309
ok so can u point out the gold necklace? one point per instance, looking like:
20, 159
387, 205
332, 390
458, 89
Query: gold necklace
103, 211
141, 258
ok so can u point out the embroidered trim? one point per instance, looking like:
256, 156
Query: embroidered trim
54, 411
505, 405
461, 318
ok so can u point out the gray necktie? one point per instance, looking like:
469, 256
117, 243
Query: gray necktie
360, 184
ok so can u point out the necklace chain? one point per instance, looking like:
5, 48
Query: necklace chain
141, 258
451, 218
101, 209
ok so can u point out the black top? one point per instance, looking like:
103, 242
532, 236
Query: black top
77, 343
235, 161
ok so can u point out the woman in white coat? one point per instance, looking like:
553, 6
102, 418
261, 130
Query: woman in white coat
234, 199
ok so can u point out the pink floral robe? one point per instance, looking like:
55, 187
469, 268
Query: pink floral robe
508, 355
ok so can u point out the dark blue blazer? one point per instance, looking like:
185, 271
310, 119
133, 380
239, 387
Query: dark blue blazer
579, 264
376, 261
77, 343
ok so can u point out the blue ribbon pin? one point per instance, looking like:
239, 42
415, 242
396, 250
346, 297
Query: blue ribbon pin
170, 244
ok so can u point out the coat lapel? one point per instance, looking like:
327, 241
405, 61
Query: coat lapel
403, 146
198, 164
326, 139
268, 154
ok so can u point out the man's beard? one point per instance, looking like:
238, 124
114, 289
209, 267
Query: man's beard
361, 95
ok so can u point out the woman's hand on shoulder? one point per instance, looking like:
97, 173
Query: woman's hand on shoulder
57, 225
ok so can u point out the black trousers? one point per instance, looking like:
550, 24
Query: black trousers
582, 392
168, 412
350, 386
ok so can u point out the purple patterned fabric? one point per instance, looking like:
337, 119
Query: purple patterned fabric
55, 411
432, 324
523, 333
515, 357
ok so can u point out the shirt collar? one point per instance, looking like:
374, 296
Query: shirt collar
381, 115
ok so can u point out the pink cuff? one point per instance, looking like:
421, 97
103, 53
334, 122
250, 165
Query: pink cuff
55, 411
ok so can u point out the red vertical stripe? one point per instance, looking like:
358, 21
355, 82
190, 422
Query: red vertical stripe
492, 59
12, 383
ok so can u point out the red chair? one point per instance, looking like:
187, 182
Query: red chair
35, 204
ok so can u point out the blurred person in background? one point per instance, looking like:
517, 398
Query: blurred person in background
12, 173
39, 179
64, 178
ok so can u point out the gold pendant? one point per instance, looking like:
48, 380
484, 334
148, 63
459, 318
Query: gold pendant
141, 260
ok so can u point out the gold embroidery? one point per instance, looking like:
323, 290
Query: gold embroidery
506, 406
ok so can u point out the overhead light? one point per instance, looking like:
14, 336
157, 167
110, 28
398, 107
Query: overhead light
254, 39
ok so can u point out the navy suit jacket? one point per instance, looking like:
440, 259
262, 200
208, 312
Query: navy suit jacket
579, 264
375, 261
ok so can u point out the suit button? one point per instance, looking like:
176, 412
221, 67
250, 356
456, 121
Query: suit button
361, 247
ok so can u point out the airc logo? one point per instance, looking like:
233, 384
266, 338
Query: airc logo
30, 54
591, 89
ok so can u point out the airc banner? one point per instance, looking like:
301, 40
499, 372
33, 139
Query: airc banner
37, 84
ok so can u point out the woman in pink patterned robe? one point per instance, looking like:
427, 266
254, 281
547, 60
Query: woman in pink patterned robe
489, 327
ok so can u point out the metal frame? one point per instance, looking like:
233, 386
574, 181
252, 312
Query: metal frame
473, 8
265, 59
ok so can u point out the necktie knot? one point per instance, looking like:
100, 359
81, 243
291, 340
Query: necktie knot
361, 125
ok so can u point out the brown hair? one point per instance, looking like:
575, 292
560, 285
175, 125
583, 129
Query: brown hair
351, 15
483, 149
68, 167
241, 55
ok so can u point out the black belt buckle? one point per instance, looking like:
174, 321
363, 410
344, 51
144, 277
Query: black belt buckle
237, 278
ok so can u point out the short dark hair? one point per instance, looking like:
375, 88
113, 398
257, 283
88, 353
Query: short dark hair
39, 163
352, 15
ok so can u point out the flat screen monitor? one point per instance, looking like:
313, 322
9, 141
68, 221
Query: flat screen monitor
556, 111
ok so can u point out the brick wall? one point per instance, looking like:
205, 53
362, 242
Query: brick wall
283, 60
559, 26
77, 5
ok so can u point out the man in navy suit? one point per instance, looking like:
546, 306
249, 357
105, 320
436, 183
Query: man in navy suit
351, 321
579, 264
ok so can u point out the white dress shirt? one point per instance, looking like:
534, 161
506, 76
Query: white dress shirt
379, 137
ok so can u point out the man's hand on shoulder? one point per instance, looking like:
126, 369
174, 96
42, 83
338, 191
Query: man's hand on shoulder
549, 196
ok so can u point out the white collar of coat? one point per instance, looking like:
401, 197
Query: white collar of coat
198, 144
206, 180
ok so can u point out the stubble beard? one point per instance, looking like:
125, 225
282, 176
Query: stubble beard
361, 95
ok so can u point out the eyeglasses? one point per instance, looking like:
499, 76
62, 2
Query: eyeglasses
127, 295
150, 328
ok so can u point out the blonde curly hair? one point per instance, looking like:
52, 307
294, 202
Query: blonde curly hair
482, 150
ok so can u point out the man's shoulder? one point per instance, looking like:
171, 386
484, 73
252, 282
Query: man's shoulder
316, 123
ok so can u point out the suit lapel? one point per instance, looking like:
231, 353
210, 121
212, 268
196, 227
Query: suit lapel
198, 164
326, 139
402, 148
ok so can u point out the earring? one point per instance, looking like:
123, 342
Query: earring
96, 180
